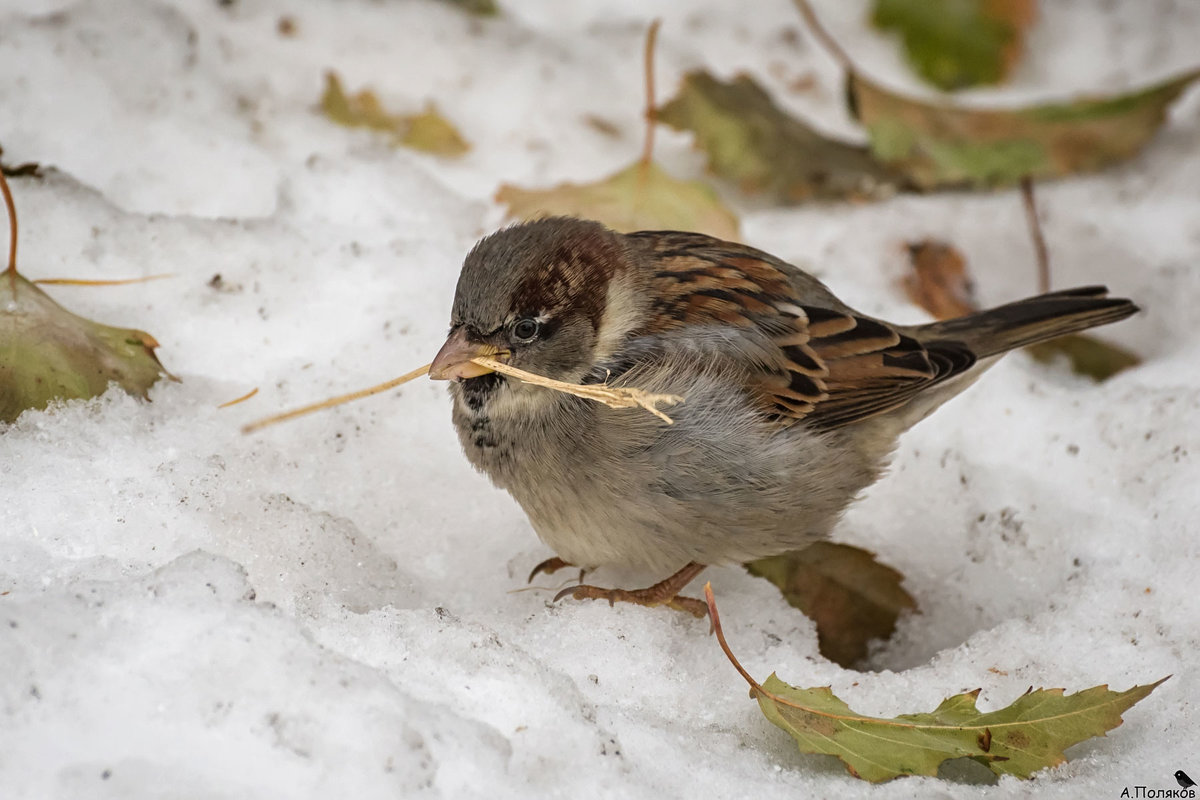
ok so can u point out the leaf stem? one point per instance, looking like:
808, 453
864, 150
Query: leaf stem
1035, 231
651, 106
12, 232
112, 282
715, 619
823, 36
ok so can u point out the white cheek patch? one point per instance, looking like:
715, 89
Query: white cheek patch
622, 313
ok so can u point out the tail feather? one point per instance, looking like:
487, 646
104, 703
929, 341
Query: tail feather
1032, 320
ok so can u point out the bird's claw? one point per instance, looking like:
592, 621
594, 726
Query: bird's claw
641, 597
550, 566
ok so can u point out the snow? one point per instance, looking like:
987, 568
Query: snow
336, 606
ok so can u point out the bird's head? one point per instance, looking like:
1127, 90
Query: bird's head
550, 297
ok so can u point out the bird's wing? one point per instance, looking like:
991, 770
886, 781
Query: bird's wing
830, 366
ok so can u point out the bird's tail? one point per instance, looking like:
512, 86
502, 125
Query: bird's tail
1035, 319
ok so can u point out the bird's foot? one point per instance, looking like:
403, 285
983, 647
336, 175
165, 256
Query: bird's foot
552, 565
663, 593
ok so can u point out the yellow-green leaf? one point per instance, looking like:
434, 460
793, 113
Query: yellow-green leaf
1018, 740
430, 132
1028, 735
47, 353
954, 44
639, 197
852, 597
427, 131
763, 150
1087, 355
480, 8
938, 144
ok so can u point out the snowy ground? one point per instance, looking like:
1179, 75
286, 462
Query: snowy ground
329, 609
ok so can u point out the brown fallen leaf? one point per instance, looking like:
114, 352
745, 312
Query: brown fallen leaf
852, 597
954, 44
939, 282
753, 143
1029, 735
427, 131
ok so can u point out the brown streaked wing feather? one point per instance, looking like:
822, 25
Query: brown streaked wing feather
835, 367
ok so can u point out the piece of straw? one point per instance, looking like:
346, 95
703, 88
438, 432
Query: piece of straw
241, 399
334, 401
611, 396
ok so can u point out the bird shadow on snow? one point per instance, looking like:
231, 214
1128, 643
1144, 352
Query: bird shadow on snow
990, 556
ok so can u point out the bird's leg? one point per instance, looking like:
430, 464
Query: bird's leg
663, 593
552, 565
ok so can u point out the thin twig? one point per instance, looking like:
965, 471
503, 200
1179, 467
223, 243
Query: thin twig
1035, 231
651, 106
823, 36
12, 233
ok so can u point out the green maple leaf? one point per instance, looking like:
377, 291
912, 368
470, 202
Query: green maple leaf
1028, 735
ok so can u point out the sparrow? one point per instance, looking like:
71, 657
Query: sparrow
793, 401
1183, 780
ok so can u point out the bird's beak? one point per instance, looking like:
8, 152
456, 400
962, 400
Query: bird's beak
453, 361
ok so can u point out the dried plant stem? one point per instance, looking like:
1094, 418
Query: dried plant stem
823, 36
1035, 231
112, 282
611, 396
241, 399
651, 106
715, 620
12, 233
335, 401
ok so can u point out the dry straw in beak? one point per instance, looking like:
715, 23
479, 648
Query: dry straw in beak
611, 396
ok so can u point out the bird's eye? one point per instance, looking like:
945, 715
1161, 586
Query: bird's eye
526, 329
